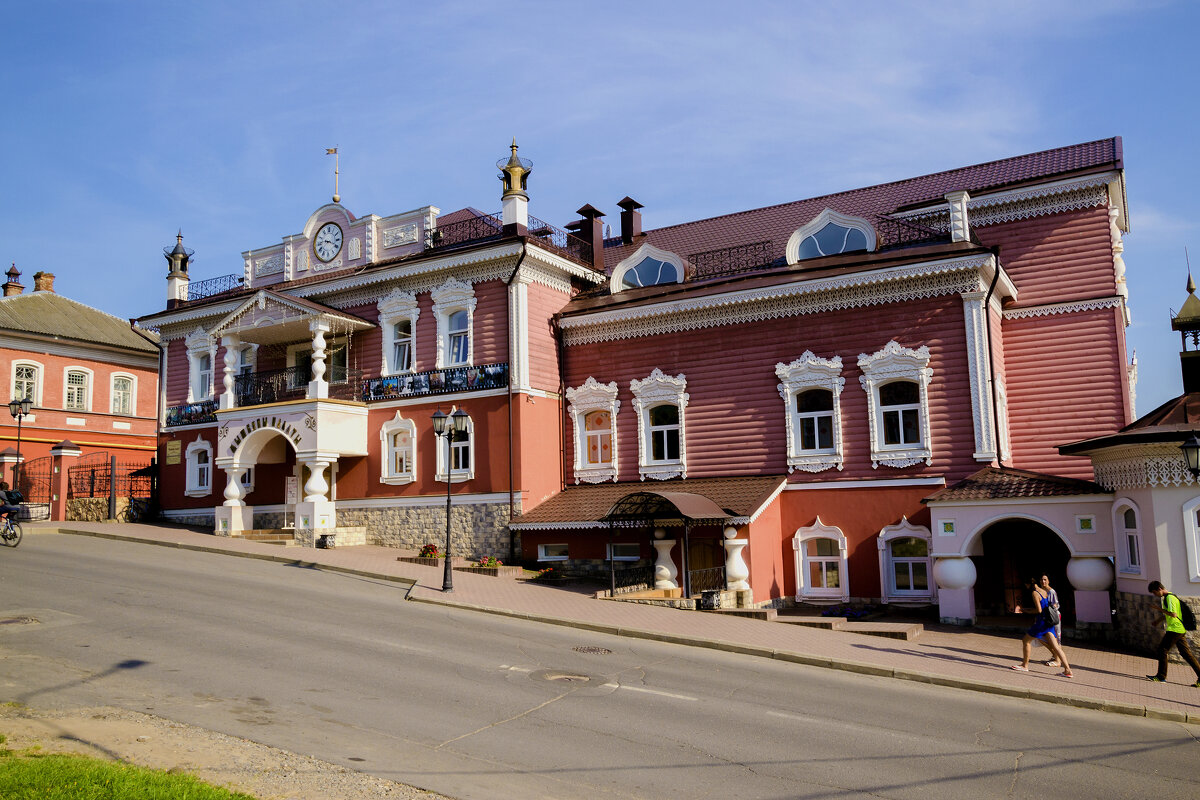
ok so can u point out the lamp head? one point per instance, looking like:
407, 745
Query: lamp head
439, 422
19, 408
460, 418
1191, 454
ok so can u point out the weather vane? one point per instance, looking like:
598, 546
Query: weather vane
333, 151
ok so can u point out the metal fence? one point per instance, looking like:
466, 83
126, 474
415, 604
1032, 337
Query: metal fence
33, 481
97, 474
706, 580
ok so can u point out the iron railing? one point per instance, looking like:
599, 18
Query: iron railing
438, 381
270, 386
33, 481
560, 241
199, 290
474, 229
893, 232
731, 260
94, 476
192, 413
633, 578
706, 580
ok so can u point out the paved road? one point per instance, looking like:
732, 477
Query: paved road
478, 706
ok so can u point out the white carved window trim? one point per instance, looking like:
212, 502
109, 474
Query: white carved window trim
459, 475
200, 344
397, 307
199, 484
1123, 536
387, 472
894, 363
38, 372
591, 396
820, 221
819, 530
656, 390
452, 296
615, 283
1191, 538
904, 530
806, 373
112, 393
85, 401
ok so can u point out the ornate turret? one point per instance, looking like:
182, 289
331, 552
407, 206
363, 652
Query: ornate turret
13, 286
1187, 322
513, 174
177, 274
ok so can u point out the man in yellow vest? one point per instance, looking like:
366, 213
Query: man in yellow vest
1174, 635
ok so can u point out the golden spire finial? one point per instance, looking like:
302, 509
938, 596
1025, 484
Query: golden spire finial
333, 151
514, 173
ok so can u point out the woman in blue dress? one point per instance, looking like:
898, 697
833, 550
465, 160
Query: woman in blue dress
1042, 629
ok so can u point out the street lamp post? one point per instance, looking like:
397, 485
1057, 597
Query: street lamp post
449, 426
19, 410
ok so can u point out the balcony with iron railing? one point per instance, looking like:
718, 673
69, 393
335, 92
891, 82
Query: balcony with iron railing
438, 381
490, 227
266, 387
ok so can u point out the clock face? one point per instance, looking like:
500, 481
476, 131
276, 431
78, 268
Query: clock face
328, 242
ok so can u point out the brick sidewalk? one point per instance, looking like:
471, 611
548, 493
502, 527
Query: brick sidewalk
964, 658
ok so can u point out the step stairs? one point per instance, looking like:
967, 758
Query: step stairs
280, 536
906, 631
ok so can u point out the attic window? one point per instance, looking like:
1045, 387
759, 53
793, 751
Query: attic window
649, 266
830, 233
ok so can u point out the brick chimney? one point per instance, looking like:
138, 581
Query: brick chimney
631, 220
13, 286
591, 230
43, 281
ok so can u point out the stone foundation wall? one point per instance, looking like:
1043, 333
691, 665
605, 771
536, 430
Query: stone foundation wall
476, 531
1134, 624
93, 509
197, 519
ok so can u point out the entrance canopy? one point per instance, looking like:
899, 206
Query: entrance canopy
659, 505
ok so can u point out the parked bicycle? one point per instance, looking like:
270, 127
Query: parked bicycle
10, 532
138, 510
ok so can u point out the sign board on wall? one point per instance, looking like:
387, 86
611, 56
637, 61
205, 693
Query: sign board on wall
291, 491
174, 451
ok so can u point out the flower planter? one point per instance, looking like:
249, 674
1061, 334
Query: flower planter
429, 562
495, 572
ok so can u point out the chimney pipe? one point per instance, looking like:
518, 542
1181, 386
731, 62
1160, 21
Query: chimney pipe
13, 286
631, 220
43, 281
591, 230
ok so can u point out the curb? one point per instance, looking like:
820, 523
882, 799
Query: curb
823, 662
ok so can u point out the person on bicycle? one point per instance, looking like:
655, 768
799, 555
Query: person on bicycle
7, 506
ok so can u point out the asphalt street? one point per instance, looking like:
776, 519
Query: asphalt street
479, 706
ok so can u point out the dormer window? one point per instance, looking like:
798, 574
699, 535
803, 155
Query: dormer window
649, 266
829, 234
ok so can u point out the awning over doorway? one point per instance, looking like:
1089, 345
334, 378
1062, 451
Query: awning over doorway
739, 500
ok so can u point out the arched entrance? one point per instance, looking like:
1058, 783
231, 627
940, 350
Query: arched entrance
1013, 551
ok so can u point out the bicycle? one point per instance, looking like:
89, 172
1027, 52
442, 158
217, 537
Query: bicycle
10, 532
138, 510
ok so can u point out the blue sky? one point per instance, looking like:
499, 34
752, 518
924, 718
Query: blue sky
126, 121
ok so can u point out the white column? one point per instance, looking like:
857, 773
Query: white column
736, 571
980, 374
955, 576
232, 345
233, 486
665, 571
1091, 578
233, 516
315, 487
518, 320
318, 387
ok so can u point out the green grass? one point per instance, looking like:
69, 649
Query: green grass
28, 775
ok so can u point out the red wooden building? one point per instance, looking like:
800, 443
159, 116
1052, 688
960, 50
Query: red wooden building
856, 397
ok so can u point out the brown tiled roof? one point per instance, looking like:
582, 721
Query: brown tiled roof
1004, 483
777, 223
1173, 421
575, 506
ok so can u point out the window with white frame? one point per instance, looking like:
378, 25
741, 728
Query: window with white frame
828, 234
553, 552
199, 469
454, 307
398, 436
247, 359
660, 402
398, 313
1129, 540
905, 567
27, 381
624, 551
811, 389
462, 454
122, 394
1191, 537
76, 390
820, 555
648, 266
896, 380
593, 411
247, 481
201, 354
